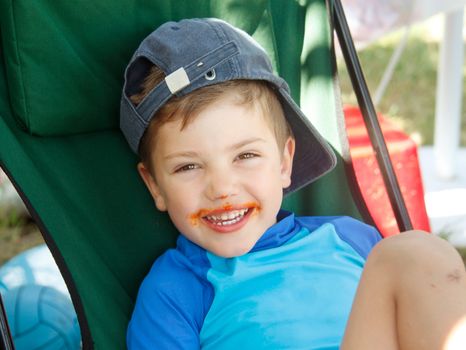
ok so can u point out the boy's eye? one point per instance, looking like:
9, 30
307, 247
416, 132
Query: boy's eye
247, 155
186, 167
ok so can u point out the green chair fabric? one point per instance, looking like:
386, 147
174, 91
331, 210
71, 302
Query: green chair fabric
61, 74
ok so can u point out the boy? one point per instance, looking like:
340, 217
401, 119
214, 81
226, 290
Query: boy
221, 141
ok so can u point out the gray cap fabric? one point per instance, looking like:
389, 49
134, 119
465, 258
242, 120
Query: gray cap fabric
195, 53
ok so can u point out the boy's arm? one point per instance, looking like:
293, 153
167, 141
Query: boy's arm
170, 308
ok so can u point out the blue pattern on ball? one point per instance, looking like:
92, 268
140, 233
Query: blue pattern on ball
42, 318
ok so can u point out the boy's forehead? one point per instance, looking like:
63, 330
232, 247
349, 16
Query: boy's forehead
223, 123
230, 98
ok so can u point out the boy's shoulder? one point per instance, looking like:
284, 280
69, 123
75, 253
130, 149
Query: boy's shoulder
175, 280
170, 294
173, 268
359, 235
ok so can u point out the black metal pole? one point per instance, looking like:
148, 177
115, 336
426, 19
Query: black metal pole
6, 341
370, 118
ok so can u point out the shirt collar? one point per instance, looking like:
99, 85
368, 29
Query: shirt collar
284, 229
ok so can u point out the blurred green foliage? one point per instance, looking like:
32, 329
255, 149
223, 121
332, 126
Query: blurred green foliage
409, 99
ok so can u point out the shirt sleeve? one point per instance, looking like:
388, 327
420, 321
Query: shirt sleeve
170, 307
360, 236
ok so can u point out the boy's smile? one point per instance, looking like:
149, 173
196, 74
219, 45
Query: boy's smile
226, 219
221, 177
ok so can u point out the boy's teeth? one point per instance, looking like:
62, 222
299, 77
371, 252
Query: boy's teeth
227, 218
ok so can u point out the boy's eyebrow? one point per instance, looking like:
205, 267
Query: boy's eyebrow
246, 142
181, 154
232, 147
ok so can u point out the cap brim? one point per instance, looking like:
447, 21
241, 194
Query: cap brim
313, 155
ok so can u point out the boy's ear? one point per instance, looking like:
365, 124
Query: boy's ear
152, 186
287, 161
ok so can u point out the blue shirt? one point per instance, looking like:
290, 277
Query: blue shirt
293, 290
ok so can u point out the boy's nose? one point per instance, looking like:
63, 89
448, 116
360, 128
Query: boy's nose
221, 185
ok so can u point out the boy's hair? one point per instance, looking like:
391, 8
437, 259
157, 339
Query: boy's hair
247, 92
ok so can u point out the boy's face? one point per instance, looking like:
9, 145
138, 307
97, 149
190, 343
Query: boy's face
221, 177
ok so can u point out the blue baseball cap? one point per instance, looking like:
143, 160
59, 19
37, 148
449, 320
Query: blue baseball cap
194, 53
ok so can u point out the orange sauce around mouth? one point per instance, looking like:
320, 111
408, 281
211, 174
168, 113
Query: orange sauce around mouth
195, 217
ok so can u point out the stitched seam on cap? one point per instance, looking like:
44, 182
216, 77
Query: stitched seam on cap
223, 60
224, 37
135, 112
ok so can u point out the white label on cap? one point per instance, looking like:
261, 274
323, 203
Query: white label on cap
177, 80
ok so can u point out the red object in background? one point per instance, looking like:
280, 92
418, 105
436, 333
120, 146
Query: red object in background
403, 153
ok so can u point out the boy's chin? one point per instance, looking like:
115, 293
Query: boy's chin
231, 252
